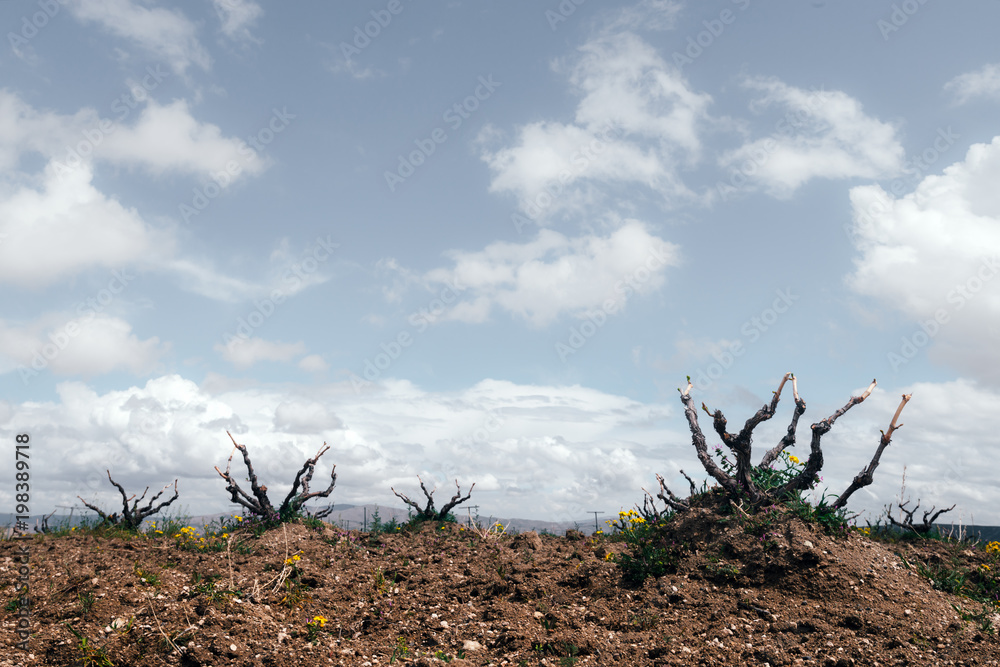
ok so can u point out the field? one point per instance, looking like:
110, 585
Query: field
725, 589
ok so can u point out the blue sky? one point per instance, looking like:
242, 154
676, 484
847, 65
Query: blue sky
487, 241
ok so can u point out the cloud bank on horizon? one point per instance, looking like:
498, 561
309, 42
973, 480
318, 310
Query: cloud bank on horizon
384, 228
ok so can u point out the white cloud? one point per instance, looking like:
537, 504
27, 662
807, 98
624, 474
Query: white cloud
519, 443
313, 363
168, 138
67, 227
824, 134
951, 222
165, 34
535, 451
237, 17
552, 275
244, 353
984, 82
637, 122
56, 224
87, 345
304, 417
163, 138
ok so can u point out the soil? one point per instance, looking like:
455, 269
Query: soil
784, 594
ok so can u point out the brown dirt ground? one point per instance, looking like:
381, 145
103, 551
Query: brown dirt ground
798, 597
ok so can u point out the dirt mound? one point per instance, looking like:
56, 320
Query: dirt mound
769, 589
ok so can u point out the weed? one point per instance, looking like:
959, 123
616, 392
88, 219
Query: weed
86, 601
145, 576
444, 657
570, 658
722, 571
983, 618
91, 655
649, 553
313, 627
400, 651
645, 619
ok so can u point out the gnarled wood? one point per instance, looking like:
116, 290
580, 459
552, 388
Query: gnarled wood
132, 517
428, 513
260, 505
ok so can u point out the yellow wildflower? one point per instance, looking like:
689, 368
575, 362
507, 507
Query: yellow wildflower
794, 459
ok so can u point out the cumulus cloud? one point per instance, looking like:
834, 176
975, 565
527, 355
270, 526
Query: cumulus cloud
163, 138
168, 138
86, 343
56, 224
165, 34
304, 417
540, 451
67, 226
637, 122
554, 275
823, 134
984, 82
486, 434
950, 222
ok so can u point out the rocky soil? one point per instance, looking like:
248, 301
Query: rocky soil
789, 596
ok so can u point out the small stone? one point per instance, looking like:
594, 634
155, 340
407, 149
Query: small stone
538, 614
807, 544
470, 645
232, 647
444, 624
907, 612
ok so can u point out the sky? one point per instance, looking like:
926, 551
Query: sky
488, 241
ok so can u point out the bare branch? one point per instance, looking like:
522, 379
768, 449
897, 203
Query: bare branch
133, 517
259, 504
807, 477
701, 448
428, 513
670, 499
456, 500
694, 489
789, 439
866, 476
920, 529
292, 503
